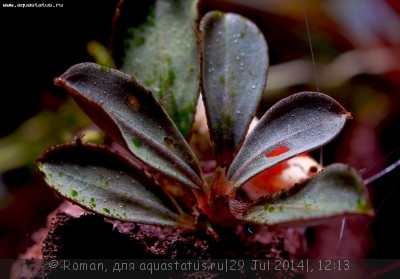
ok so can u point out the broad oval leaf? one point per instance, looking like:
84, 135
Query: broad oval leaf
296, 124
103, 181
131, 116
336, 191
233, 74
162, 53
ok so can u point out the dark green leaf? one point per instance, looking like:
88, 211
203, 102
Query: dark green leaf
234, 72
336, 191
297, 124
103, 181
162, 53
130, 114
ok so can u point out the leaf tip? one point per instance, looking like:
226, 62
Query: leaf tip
364, 206
349, 115
58, 81
39, 165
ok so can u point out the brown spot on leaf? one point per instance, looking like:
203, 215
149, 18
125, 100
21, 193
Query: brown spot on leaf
169, 142
133, 103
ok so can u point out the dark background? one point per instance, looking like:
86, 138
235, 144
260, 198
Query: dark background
39, 44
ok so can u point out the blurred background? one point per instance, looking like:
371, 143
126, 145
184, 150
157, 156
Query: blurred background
356, 50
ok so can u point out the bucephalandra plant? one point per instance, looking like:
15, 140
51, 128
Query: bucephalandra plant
158, 179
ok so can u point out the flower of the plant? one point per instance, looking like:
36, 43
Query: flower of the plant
233, 71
